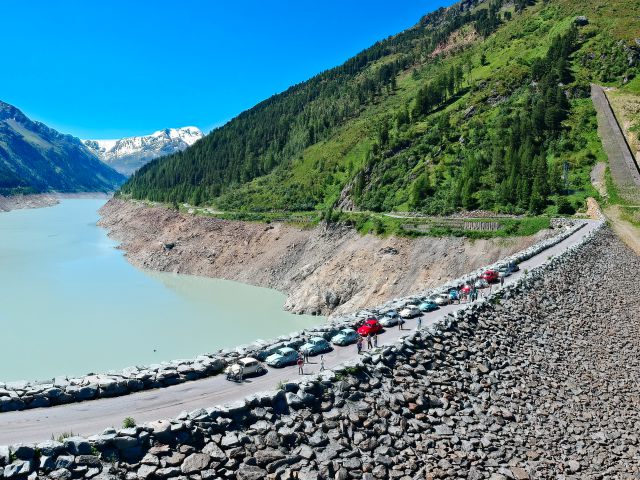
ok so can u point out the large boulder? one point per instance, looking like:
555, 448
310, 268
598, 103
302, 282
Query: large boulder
195, 463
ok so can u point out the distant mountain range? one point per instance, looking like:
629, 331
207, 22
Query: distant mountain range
35, 158
128, 154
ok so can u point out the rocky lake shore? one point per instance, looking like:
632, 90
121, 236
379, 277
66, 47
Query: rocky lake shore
15, 202
541, 383
323, 270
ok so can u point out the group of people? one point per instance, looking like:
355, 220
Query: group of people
372, 342
464, 295
304, 359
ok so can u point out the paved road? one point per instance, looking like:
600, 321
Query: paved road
92, 417
624, 169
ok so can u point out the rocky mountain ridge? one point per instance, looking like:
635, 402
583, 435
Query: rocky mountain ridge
128, 154
35, 158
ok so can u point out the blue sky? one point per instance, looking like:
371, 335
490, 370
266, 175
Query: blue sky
107, 69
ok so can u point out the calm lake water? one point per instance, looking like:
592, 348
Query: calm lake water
71, 304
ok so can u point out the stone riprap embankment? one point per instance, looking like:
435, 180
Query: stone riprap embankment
540, 381
64, 390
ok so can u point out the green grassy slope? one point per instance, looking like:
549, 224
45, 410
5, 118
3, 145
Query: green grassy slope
478, 106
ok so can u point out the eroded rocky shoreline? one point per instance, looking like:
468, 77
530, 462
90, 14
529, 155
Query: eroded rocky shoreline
323, 270
16, 202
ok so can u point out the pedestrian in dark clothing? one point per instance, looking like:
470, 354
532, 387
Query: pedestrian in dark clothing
399, 323
369, 345
321, 363
501, 281
359, 345
375, 340
419, 323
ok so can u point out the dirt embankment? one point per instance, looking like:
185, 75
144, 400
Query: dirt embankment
322, 270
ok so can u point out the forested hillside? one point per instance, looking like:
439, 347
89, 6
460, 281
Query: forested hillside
481, 105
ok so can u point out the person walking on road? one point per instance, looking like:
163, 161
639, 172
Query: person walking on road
400, 322
321, 363
502, 281
369, 344
375, 340
359, 345
306, 356
419, 326
300, 365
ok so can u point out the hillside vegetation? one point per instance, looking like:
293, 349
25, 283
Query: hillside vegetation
484, 105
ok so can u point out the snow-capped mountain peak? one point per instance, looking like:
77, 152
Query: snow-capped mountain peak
128, 154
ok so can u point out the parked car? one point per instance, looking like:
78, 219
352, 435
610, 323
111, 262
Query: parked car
491, 276
248, 366
391, 313
442, 299
481, 283
390, 321
346, 336
507, 269
410, 311
466, 289
282, 357
428, 306
453, 295
503, 273
315, 346
370, 327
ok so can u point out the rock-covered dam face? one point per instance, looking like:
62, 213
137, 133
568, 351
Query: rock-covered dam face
541, 383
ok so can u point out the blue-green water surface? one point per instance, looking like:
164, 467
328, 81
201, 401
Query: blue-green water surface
71, 304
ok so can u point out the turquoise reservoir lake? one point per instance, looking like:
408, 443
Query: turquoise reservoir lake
71, 304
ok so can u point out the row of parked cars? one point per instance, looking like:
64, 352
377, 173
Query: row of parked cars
369, 326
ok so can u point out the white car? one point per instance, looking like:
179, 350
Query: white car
442, 299
481, 283
390, 321
410, 311
248, 366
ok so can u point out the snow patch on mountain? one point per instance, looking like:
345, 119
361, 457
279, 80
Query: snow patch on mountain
126, 155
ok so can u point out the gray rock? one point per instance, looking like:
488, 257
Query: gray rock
17, 469
267, 456
77, 446
249, 472
214, 451
64, 461
60, 474
195, 463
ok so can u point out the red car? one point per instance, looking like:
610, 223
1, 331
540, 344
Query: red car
369, 327
490, 276
466, 289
